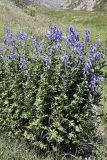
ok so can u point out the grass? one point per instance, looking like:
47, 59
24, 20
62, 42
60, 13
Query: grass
16, 150
105, 96
102, 149
21, 19
95, 21
105, 109
15, 17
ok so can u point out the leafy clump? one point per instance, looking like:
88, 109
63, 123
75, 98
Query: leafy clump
50, 89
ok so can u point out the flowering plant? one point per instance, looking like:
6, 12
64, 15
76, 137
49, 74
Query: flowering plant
50, 88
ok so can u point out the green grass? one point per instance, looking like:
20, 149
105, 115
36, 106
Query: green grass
21, 19
14, 149
95, 21
16, 18
105, 109
105, 96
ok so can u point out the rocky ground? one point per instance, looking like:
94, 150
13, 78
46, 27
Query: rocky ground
86, 4
80, 4
49, 3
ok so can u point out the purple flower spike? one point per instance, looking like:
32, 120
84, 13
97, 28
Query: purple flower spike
87, 36
13, 56
25, 35
73, 37
48, 61
72, 31
55, 34
1, 49
69, 40
81, 56
86, 69
97, 56
8, 31
50, 50
22, 36
99, 43
78, 47
93, 82
93, 48
65, 58
22, 63
33, 39
9, 34
59, 35
1, 56
57, 46
40, 53
5, 40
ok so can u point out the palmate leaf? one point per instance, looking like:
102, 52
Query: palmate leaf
54, 136
40, 144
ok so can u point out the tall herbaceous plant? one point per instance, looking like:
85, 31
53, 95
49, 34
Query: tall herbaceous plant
50, 89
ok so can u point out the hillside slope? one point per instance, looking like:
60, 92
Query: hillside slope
86, 5
12, 15
101, 5
74, 4
19, 20
38, 19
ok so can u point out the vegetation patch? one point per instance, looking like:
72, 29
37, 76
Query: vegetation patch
51, 90
44, 97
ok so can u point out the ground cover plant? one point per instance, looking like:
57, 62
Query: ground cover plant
50, 90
